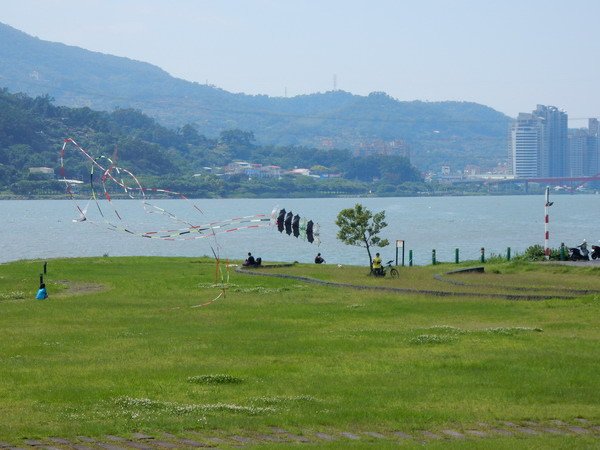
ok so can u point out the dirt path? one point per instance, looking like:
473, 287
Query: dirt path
577, 427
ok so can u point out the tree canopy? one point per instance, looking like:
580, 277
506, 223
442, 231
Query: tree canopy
360, 227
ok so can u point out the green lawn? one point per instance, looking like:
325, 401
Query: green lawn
120, 347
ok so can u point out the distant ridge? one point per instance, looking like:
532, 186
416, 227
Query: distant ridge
455, 133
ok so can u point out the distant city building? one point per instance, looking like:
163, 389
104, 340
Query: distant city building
578, 145
252, 170
594, 132
554, 157
502, 169
539, 144
272, 171
593, 127
236, 168
584, 150
471, 170
300, 171
527, 142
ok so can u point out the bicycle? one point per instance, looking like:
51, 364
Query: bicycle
383, 271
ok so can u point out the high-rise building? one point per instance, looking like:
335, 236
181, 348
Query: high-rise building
578, 152
584, 150
539, 144
593, 127
527, 144
554, 158
594, 130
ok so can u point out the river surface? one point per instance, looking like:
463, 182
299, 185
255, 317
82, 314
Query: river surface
42, 229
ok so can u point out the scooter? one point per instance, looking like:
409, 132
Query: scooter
576, 255
383, 271
595, 251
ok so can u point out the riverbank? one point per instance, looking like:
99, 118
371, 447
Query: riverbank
315, 195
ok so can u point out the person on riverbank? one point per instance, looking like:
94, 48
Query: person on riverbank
319, 259
250, 261
584, 249
42, 294
377, 269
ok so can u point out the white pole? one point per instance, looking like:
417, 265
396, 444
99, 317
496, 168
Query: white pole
546, 220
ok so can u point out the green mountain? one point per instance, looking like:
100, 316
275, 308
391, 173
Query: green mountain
455, 133
32, 131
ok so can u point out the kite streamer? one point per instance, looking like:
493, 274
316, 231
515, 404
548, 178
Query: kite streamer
104, 170
130, 187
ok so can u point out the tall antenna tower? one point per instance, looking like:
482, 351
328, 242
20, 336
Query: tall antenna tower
335, 82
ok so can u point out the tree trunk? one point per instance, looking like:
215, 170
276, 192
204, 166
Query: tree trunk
369, 252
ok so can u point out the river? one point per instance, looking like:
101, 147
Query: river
43, 229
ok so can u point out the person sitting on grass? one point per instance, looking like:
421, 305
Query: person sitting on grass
42, 294
250, 261
319, 259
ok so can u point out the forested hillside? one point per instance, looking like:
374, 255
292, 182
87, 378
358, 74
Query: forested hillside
32, 131
456, 133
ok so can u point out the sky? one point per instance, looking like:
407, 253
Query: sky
510, 55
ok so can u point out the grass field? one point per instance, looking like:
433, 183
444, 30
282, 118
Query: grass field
122, 347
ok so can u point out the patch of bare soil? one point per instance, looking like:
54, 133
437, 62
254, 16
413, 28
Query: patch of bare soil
77, 288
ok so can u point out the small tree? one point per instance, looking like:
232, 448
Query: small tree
359, 226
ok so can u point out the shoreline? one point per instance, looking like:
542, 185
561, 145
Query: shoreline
428, 195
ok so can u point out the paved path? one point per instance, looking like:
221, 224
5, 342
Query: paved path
578, 427
439, 293
571, 292
590, 263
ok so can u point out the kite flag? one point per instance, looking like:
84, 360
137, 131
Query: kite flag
310, 231
288, 223
280, 220
296, 225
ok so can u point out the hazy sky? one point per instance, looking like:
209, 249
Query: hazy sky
510, 54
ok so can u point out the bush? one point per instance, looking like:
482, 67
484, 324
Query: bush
536, 253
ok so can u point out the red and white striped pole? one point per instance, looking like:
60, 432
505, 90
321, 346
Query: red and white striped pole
547, 205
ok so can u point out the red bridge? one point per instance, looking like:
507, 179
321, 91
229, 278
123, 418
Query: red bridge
560, 180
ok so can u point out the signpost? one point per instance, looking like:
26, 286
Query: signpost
400, 244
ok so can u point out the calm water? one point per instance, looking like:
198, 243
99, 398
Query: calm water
33, 229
